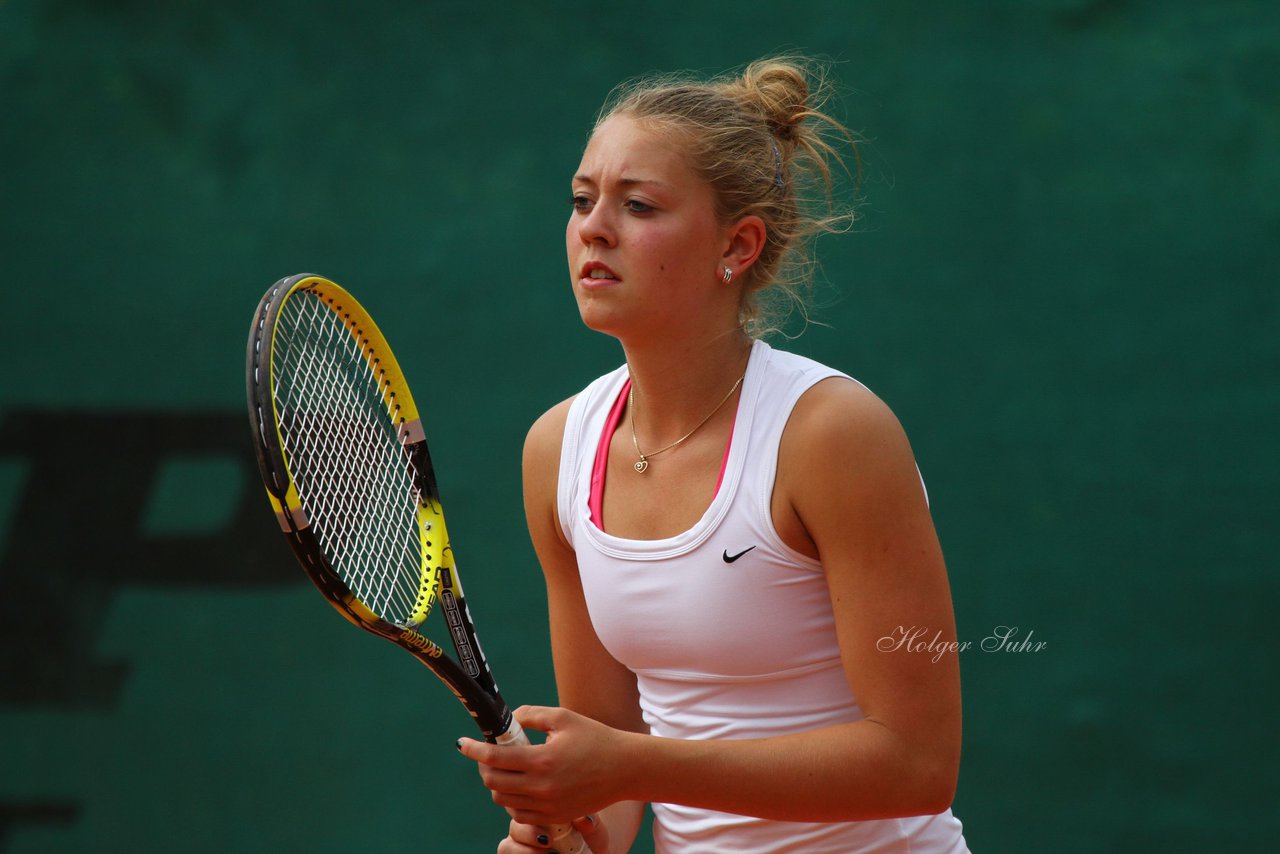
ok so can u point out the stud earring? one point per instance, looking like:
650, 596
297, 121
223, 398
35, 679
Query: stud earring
728, 275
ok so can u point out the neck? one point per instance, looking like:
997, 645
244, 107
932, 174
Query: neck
675, 385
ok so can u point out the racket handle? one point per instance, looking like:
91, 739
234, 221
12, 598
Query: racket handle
564, 839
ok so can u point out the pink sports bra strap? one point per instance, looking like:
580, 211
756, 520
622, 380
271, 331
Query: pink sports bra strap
595, 501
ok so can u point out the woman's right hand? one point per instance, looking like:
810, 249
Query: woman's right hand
534, 839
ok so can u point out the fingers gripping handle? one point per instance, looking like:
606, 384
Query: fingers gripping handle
564, 839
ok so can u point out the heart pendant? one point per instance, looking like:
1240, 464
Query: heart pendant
642, 465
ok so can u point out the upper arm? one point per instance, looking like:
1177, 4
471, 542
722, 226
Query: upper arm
588, 679
849, 475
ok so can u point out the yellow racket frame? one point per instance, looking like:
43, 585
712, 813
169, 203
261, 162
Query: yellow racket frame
433, 536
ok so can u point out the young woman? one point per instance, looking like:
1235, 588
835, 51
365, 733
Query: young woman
734, 538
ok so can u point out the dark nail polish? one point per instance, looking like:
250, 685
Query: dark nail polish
543, 839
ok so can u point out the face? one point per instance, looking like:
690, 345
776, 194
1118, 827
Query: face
643, 243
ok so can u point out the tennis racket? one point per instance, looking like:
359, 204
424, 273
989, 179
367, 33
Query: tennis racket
344, 459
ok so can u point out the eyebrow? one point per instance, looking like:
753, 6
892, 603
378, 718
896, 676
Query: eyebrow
624, 182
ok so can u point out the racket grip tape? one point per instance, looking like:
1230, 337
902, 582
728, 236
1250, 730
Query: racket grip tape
564, 839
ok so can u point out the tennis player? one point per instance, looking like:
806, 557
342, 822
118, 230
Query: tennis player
732, 536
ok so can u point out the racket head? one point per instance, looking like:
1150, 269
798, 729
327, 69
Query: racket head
344, 459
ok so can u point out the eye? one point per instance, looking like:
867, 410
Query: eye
580, 203
637, 206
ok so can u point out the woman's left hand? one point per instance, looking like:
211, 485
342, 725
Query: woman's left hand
576, 772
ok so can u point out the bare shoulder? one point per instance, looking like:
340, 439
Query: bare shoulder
841, 414
844, 464
542, 443
541, 470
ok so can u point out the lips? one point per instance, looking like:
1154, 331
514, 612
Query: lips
594, 272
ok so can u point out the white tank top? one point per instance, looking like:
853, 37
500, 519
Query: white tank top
729, 631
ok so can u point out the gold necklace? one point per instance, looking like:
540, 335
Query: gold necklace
643, 462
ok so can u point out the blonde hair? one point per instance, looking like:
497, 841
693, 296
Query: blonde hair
763, 143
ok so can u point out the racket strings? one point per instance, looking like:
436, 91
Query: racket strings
350, 467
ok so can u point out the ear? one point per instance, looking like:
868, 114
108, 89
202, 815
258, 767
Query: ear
745, 242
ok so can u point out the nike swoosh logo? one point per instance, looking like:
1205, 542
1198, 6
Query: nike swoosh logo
728, 558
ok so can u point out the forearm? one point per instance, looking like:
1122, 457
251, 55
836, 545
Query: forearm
850, 772
622, 820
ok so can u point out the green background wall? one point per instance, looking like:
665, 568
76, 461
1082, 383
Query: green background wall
1064, 283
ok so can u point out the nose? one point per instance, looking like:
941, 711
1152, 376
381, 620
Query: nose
595, 226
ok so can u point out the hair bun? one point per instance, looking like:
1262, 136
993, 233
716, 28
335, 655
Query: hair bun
779, 90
